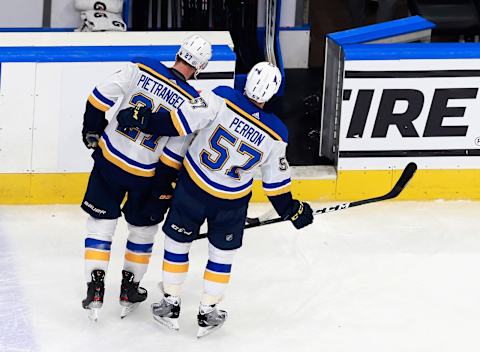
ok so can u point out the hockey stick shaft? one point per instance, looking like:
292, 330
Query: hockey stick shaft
402, 182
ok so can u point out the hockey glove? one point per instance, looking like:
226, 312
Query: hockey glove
157, 205
94, 123
300, 214
90, 139
136, 117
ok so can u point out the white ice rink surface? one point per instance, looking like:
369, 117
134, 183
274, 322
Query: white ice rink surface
398, 276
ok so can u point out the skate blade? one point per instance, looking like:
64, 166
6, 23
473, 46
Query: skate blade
169, 323
127, 308
93, 314
204, 331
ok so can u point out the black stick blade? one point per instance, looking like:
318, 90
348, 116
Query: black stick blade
405, 177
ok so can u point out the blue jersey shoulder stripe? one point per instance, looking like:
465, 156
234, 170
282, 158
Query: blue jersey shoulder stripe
102, 98
172, 154
213, 183
125, 158
268, 119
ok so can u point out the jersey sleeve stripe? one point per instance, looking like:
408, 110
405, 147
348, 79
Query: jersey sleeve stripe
170, 162
97, 104
184, 121
102, 98
161, 77
172, 154
254, 120
276, 185
278, 191
177, 123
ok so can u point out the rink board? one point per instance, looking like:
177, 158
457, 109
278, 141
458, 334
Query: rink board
349, 185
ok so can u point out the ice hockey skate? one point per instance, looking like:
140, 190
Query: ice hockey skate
131, 295
95, 291
167, 311
209, 319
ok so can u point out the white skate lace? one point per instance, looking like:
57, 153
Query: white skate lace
174, 300
207, 309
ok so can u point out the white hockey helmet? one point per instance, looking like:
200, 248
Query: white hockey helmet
263, 81
196, 52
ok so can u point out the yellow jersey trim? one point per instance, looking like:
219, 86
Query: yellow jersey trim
98, 104
277, 192
216, 193
169, 162
177, 123
121, 164
254, 120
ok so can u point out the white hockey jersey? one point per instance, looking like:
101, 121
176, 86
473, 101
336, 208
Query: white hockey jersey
234, 138
149, 83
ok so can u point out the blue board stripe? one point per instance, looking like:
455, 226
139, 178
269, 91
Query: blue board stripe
219, 268
139, 248
381, 30
412, 51
101, 53
97, 244
175, 258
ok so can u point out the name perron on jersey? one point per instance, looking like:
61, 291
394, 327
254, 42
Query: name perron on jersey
146, 82
234, 138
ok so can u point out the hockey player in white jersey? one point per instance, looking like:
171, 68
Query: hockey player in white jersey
126, 164
236, 136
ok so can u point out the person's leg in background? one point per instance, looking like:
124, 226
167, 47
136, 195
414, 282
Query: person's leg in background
386, 10
357, 10
140, 15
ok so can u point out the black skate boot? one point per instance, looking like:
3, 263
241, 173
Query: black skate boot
130, 294
167, 311
209, 319
95, 292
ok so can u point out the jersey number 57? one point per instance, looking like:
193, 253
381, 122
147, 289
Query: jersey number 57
218, 161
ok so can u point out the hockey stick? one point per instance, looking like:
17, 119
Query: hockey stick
405, 177
265, 216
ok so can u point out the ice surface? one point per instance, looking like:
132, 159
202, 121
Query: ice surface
395, 276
